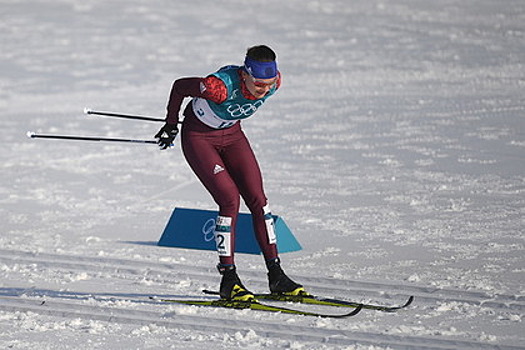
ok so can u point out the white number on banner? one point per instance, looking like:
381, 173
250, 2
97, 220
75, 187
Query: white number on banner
208, 230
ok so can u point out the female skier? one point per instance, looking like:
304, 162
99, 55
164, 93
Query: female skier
219, 153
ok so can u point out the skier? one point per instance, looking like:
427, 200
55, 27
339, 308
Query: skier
219, 153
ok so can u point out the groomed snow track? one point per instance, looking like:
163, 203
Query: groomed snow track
101, 306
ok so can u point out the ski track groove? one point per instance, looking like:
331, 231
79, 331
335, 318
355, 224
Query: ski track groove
158, 272
207, 324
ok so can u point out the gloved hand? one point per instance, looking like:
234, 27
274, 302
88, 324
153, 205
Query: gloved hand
166, 135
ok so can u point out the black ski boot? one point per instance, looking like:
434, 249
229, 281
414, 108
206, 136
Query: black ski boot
279, 282
231, 285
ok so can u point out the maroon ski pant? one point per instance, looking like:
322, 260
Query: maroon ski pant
224, 162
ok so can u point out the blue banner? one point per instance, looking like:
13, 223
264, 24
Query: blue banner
194, 229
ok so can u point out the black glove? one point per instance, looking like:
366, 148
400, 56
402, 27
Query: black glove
166, 135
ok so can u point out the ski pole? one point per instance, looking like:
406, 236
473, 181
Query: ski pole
124, 116
33, 135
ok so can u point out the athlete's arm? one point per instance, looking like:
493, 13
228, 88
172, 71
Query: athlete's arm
210, 88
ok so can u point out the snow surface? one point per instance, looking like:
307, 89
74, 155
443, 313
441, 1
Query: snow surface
394, 151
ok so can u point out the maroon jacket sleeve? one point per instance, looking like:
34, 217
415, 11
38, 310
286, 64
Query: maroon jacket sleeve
210, 88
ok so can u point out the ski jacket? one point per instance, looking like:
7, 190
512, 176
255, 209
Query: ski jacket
219, 101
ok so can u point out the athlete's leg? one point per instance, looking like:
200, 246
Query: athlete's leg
204, 158
244, 169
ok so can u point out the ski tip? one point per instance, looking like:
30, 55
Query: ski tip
31, 134
357, 310
87, 110
409, 301
354, 312
397, 308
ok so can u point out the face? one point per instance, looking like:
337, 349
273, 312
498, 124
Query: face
258, 87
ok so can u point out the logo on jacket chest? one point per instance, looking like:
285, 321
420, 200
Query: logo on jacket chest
237, 110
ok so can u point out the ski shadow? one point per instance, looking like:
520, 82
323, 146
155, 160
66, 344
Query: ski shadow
147, 243
42, 293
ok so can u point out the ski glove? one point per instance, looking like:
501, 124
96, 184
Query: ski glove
166, 135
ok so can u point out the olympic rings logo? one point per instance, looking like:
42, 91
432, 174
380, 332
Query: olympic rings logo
208, 230
246, 110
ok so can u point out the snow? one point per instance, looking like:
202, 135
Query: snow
394, 151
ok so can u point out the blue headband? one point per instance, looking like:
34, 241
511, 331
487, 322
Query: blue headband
260, 70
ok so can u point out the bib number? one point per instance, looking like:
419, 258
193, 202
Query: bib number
223, 236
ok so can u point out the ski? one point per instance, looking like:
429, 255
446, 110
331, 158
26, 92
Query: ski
255, 305
317, 300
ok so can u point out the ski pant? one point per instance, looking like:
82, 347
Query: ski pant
224, 162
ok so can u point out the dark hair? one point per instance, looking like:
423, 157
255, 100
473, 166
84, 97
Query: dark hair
261, 53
